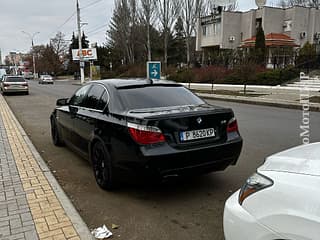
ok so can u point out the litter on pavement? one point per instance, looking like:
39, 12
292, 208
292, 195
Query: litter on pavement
101, 232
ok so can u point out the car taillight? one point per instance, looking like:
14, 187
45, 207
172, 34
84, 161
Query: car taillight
145, 134
233, 126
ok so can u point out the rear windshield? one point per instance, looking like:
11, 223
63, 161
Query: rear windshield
158, 96
15, 79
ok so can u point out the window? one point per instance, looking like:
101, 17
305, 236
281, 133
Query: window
216, 28
211, 29
94, 96
158, 96
14, 79
258, 22
79, 97
204, 30
287, 26
103, 101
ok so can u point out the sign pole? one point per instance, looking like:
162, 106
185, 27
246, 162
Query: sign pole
80, 44
91, 66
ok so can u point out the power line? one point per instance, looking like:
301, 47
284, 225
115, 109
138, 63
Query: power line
97, 28
91, 4
68, 19
95, 33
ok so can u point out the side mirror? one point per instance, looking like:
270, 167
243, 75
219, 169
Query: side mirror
62, 102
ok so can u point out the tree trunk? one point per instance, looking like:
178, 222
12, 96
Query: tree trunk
149, 43
188, 51
165, 50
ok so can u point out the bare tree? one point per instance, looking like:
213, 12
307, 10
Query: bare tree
303, 3
133, 26
168, 10
122, 28
314, 3
232, 7
59, 44
210, 7
190, 11
283, 4
147, 15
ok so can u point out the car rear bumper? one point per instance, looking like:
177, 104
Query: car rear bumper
238, 224
17, 90
160, 164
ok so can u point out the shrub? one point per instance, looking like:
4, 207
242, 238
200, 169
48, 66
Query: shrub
134, 71
184, 76
276, 77
210, 74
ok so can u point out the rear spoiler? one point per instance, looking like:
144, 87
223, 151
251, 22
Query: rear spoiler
149, 85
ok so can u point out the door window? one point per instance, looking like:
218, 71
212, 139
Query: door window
79, 98
94, 98
103, 101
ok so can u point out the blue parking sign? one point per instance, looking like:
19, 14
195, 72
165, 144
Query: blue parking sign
154, 70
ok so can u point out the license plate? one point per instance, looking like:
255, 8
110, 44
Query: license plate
197, 134
16, 87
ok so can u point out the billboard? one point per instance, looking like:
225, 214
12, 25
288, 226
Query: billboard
89, 54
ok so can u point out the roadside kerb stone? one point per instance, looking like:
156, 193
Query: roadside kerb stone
262, 102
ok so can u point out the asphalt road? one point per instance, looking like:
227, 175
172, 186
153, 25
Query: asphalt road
189, 209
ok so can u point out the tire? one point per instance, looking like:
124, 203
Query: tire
56, 138
102, 167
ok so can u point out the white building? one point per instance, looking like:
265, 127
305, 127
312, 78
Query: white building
228, 30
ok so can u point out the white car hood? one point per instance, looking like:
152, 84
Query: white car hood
304, 159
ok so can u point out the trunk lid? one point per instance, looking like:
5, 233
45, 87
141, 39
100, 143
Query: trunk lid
187, 126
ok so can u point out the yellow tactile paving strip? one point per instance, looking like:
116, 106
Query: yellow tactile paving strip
52, 223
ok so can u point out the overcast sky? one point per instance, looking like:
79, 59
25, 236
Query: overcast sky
50, 16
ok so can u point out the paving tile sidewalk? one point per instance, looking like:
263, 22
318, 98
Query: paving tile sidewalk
32, 204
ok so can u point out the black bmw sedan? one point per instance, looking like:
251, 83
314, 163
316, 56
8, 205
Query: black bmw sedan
132, 129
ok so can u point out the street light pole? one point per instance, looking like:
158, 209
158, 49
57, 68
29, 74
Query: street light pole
31, 36
80, 44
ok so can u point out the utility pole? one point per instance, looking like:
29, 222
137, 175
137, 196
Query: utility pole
80, 44
33, 56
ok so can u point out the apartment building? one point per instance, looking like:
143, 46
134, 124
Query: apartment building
288, 28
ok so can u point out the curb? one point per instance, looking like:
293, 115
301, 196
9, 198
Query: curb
78, 223
268, 104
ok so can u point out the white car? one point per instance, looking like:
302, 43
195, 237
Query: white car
280, 201
46, 79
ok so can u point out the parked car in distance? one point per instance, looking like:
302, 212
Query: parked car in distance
280, 201
46, 79
134, 129
3, 72
14, 84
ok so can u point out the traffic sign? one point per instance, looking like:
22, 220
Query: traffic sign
154, 70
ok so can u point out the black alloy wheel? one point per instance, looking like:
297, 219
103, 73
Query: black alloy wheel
102, 166
56, 138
